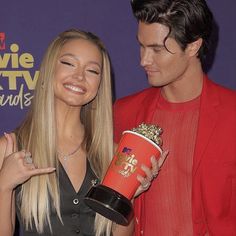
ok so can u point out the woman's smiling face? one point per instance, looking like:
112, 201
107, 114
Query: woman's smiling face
78, 73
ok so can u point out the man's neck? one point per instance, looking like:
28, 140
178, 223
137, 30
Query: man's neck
188, 87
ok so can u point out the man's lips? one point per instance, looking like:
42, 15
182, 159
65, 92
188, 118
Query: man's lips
151, 71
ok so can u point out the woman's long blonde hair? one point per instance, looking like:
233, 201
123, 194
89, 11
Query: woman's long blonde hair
38, 135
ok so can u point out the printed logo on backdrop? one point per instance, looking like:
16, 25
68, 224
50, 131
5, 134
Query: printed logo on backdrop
2, 41
18, 76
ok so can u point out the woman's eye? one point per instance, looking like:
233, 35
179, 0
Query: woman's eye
94, 71
67, 63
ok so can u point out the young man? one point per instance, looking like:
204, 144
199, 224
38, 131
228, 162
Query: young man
195, 193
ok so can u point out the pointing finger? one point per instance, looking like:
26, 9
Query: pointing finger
41, 171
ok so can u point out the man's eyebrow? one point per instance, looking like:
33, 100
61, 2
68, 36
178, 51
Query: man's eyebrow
155, 45
151, 45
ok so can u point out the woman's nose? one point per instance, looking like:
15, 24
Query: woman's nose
78, 74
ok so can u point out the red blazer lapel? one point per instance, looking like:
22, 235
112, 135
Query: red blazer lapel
207, 120
149, 105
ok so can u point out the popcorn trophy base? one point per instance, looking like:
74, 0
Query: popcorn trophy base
110, 204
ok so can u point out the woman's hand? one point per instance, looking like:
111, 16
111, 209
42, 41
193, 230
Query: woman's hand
151, 173
17, 167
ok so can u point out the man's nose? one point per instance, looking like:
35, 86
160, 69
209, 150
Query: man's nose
146, 58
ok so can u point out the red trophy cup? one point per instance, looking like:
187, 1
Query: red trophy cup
112, 198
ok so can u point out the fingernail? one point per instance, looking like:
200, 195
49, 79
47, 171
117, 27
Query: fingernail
166, 152
5, 134
27, 153
139, 177
153, 158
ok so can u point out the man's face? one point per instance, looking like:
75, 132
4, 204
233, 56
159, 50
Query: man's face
163, 67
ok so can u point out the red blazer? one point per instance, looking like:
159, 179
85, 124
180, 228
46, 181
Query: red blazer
214, 164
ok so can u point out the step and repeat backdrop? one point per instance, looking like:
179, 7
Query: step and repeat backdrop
27, 27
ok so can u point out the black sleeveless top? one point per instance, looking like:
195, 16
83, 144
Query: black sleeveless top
78, 219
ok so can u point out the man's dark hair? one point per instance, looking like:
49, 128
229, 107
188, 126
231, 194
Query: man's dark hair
187, 20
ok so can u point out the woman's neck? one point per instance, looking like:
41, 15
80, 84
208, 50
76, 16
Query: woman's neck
68, 123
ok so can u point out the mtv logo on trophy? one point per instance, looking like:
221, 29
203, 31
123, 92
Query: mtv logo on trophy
2, 41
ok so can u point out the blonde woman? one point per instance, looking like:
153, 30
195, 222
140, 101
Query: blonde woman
63, 146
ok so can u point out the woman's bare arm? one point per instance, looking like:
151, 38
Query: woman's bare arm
7, 196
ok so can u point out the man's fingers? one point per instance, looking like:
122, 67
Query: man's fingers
162, 158
10, 145
155, 164
148, 172
155, 167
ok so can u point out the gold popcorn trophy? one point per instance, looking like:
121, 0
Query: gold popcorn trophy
112, 198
